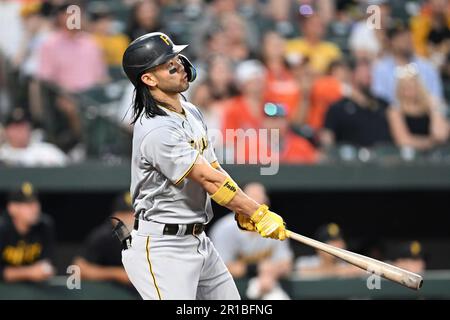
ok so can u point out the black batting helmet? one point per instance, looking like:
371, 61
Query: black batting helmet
151, 50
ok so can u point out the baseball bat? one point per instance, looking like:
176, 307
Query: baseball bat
385, 270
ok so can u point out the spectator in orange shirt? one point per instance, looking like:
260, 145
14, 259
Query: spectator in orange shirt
280, 82
422, 24
327, 90
266, 146
245, 110
438, 39
290, 147
217, 87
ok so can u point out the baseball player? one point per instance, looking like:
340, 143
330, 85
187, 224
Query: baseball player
27, 238
174, 174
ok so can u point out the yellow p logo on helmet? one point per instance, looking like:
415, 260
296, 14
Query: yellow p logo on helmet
165, 39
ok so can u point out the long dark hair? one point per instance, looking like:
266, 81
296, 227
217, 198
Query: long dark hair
143, 102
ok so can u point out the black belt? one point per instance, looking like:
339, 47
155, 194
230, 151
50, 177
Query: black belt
172, 229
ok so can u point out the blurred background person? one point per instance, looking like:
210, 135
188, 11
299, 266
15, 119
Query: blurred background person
215, 42
430, 26
289, 147
112, 43
409, 256
326, 90
211, 94
10, 20
216, 87
280, 82
144, 18
70, 59
207, 29
359, 118
431, 36
244, 111
323, 264
22, 149
101, 259
37, 28
446, 77
240, 45
304, 77
70, 63
220, 78
401, 54
438, 40
247, 255
27, 238
312, 44
417, 120
277, 17
38, 25
366, 42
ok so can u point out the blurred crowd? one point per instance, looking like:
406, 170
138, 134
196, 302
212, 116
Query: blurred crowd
360, 73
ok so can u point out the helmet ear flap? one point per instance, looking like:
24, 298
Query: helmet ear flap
189, 68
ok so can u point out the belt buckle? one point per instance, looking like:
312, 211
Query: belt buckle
197, 229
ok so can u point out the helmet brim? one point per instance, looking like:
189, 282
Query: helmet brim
179, 48
175, 50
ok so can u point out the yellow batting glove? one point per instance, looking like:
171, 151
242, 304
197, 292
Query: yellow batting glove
244, 222
269, 224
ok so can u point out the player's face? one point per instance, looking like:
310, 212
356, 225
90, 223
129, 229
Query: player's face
171, 76
26, 213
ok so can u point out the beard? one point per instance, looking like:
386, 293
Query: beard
171, 88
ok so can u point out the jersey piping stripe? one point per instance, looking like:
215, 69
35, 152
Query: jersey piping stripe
182, 115
188, 170
151, 269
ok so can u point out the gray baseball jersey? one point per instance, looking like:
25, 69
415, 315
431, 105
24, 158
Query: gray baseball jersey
164, 151
233, 243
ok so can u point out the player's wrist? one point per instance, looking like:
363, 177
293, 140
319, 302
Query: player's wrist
259, 213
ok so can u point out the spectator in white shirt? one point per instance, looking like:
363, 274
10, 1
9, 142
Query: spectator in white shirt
19, 149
